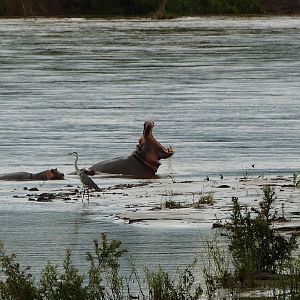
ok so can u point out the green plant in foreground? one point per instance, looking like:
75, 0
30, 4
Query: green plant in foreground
62, 285
105, 281
216, 270
19, 283
65, 282
253, 241
162, 287
257, 255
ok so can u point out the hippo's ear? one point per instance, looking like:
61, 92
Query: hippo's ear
54, 170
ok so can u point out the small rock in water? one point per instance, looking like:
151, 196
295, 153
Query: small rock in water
224, 186
34, 189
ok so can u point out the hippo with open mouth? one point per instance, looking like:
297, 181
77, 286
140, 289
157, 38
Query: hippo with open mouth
52, 174
143, 162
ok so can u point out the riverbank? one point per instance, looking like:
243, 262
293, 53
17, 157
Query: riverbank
153, 8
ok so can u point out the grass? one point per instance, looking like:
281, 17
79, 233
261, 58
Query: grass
171, 204
162, 286
206, 199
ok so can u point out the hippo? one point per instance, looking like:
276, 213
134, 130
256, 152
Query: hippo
142, 163
52, 174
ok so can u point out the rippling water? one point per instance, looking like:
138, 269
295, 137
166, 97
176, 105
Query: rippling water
224, 92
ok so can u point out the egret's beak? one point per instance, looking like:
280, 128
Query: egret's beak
72, 153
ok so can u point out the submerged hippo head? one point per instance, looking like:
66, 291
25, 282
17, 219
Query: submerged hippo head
54, 174
151, 149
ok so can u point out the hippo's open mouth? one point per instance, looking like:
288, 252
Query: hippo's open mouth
149, 142
148, 126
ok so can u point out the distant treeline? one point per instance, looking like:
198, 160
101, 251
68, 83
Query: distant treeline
149, 8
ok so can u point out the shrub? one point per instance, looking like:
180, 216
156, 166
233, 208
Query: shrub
65, 285
105, 281
253, 241
162, 287
18, 282
206, 199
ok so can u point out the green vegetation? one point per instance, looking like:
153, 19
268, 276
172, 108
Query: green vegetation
159, 8
171, 204
200, 7
3, 8
162, 287
206, 199
253, 241
103, 279
235, 6
255, 253
64, 282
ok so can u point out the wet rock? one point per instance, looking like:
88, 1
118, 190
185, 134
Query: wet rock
34, 189
45, 197
224, 186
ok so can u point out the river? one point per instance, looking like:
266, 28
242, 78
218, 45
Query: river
224, 93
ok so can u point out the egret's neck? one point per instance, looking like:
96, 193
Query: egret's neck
76, 166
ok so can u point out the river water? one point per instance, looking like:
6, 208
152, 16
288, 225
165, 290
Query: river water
224, 92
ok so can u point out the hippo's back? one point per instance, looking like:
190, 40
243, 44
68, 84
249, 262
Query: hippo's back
16, 176
123, 165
